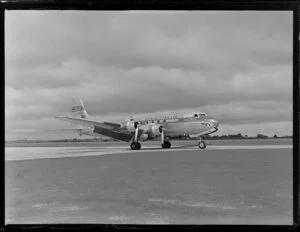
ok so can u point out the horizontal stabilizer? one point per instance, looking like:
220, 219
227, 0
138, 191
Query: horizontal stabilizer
78, 109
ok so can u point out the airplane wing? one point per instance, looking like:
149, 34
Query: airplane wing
113, 130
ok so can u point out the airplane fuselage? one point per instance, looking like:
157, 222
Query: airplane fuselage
176, 126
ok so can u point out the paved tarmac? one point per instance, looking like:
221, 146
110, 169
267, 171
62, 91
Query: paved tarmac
241, 184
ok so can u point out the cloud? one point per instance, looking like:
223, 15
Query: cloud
108, 38
237, 66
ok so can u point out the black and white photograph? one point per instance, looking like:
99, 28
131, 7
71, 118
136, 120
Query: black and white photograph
149, 117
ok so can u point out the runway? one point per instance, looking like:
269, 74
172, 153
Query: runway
30, 153
241, 184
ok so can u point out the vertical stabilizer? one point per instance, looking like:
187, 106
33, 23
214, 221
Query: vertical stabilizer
78, 109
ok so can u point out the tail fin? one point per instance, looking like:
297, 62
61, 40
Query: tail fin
78, 109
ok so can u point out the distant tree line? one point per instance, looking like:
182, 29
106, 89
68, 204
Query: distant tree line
234, 136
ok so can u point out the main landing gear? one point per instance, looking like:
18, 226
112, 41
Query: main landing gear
164, 143
135, 146
202, 144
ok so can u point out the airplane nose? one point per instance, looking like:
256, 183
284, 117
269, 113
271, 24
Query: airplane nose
215, 122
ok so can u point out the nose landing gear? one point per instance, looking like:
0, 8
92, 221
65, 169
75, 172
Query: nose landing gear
202, 144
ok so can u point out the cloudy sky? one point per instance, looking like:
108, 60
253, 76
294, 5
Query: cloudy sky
235, 66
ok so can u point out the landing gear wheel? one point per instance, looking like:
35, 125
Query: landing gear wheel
202, 145
135, 146
138, 146
166, 144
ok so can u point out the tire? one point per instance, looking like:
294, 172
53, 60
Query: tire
138, 146
202, 145
166, 144
133, 146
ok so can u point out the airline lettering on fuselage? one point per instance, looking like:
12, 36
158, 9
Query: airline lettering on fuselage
169, 118
157, 118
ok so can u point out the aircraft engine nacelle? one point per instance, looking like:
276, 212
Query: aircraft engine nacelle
131, 126
144, 137
156, 130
